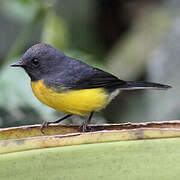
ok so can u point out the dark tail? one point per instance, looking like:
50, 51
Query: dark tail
130, 85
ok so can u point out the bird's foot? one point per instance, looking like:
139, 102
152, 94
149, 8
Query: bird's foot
84, 127
44, 125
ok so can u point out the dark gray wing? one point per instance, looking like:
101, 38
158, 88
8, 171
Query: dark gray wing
75, 74
99, 79
71, 73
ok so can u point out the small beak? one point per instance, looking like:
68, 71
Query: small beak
17, 64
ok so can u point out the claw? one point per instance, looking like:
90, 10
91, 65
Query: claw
84, 127
43, 125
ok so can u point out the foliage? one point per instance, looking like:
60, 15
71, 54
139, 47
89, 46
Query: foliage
140, 54
16, 99
129, 151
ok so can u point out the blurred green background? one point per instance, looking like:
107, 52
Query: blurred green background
135, 40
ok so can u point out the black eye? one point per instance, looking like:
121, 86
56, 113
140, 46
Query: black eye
35, 62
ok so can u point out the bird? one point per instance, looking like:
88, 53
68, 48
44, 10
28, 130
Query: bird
71, 86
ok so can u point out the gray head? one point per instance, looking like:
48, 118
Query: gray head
40, 60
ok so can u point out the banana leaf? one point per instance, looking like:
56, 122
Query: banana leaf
110, 151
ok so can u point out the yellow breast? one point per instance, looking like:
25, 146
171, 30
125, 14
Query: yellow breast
80, 102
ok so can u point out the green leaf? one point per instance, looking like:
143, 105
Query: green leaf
16, 96
18, 9
55, 31
129, 151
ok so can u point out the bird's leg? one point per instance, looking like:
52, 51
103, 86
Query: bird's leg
45, 123
85, 123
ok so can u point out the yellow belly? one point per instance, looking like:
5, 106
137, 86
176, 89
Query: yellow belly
80, 102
